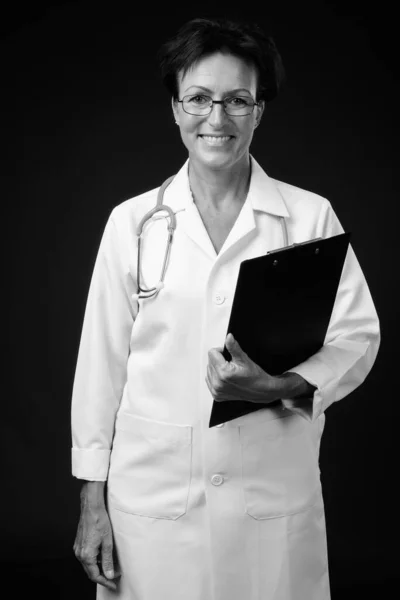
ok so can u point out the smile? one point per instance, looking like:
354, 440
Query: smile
216, 140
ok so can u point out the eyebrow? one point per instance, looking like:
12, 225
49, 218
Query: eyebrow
200, 87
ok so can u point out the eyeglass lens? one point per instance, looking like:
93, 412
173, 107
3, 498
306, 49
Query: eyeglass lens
202, 105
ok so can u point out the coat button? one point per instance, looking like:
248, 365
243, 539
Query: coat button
219, 298
217, 479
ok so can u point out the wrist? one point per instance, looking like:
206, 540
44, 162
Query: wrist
92, 493
293, 385
269, 388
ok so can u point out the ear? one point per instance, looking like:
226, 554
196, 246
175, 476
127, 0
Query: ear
175, 110
260, 109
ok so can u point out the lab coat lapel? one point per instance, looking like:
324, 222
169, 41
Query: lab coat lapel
263, 196
179, 197
195, 229
243, 226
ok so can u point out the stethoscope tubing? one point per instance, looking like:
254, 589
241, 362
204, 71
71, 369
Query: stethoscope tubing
160, 207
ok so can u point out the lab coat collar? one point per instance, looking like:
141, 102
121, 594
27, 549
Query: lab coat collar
178, 194
263, 193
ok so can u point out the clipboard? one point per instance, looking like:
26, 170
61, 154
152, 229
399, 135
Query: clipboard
281, 310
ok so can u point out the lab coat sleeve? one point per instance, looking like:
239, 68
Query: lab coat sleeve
101, 369
352, 340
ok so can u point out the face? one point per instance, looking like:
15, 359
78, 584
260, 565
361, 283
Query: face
218, 141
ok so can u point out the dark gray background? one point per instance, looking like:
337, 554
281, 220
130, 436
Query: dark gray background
86, 125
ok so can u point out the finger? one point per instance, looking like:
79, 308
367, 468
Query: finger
101, 580
209, 386
78, 539
214, 378
111, 585
107, 562
233, 346
215, 381
213, 373
235, 350
215, 357
93, 572
210, 373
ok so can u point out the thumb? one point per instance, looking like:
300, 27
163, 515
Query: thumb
234, 348
107, 559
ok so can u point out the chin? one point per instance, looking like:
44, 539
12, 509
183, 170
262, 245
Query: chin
216, 160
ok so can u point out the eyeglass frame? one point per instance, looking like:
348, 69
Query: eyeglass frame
218, 102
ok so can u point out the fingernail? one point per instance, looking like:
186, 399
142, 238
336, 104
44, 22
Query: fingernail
109, 574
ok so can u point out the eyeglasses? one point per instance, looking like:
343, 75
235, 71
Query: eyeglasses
201, 106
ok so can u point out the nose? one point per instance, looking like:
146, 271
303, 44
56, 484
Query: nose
217, 115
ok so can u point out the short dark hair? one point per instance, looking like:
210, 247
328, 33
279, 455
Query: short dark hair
201, 37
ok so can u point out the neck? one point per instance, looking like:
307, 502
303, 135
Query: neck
218, 189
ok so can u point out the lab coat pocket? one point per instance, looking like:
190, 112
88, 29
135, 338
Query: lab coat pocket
280, 472
150, 468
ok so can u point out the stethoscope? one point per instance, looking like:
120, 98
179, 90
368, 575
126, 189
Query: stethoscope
160, 207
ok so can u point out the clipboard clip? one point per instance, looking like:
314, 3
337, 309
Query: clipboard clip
294, 245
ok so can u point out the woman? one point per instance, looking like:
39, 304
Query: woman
191, 512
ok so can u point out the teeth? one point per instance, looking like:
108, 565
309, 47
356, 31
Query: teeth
216, 140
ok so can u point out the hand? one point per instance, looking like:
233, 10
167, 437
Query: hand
241, 378
93, 545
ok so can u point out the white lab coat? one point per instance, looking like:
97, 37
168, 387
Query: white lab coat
233, 512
